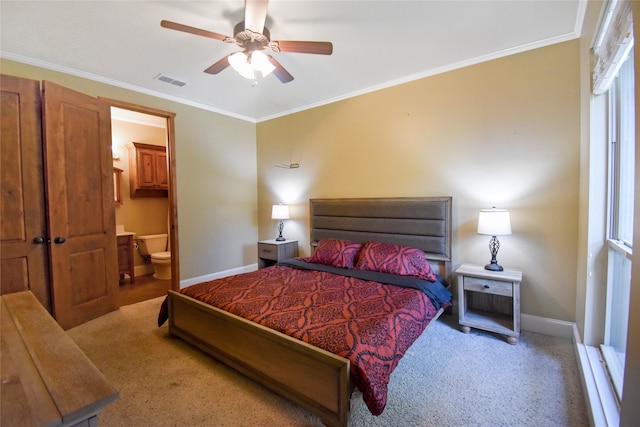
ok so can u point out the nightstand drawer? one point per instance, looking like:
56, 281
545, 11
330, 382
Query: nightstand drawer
488, 286
267, 251
273, 251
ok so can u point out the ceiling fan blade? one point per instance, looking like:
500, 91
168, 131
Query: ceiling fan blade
255, 14
282, 74
192, 30
319, 48
218, 66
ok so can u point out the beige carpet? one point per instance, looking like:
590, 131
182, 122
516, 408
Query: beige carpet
447, 378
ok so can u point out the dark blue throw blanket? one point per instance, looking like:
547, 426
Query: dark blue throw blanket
436, 291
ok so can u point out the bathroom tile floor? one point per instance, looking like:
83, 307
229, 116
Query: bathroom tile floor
144, 288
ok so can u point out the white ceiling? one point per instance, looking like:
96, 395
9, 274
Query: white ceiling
376, 44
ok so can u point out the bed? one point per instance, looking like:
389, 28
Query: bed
316, 379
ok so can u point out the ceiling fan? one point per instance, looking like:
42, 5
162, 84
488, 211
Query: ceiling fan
252, 36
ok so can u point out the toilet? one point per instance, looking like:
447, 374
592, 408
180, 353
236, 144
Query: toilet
155, 246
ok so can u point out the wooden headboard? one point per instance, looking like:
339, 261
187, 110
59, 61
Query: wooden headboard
420, 222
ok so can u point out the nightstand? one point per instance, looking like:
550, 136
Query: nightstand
489, 300
272, 251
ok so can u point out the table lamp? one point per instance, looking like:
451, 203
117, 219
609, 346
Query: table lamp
494, 222
280, 212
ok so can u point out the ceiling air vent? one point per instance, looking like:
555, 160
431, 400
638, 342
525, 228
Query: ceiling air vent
167, 79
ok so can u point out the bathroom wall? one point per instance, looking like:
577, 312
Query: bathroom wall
140, 215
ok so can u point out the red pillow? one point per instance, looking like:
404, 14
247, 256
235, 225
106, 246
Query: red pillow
395, 259
337, 253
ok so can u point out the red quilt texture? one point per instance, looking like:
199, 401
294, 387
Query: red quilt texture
370, 323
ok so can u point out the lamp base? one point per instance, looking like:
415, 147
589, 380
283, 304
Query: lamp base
280, 228
493, 267
494, 245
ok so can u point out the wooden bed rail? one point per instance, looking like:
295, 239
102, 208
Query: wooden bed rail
314, 379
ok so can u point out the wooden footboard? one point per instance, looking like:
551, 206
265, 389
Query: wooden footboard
313, 378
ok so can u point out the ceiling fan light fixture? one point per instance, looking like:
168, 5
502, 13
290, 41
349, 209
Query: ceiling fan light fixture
260, 62
240, 63
247, 66
252, 36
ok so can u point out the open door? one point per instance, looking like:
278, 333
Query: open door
24, 257
81, 213
171, 167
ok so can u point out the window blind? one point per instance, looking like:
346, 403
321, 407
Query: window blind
613, 43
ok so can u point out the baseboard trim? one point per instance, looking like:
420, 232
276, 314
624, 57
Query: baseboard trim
218, 275
143, 270
547, 326
540, 325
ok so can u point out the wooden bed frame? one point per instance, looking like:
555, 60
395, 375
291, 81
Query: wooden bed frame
313, 378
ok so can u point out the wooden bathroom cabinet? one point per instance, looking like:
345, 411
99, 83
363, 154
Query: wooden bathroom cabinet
148, 174
125, 256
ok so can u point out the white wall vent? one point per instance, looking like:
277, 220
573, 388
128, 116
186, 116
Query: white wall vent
167, 79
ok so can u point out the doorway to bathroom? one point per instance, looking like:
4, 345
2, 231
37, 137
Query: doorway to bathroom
144, 151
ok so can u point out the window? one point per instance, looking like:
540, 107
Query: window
621, 123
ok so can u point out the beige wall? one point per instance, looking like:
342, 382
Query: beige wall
216, 175
503, 133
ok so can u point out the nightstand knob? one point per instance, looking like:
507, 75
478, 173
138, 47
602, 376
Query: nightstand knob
487, 286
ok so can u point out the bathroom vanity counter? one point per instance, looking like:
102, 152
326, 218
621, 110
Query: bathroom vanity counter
125, 254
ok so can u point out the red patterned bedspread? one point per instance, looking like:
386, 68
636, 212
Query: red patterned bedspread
370, 323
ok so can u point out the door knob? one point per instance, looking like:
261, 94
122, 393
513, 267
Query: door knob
38, 240
59, 240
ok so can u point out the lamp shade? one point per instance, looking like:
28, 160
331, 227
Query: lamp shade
247, 66
240, 63
494, 222
260, 62
280, 212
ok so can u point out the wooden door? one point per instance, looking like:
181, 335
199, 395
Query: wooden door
23, 235
81, 212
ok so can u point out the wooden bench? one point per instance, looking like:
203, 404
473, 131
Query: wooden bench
46, 379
